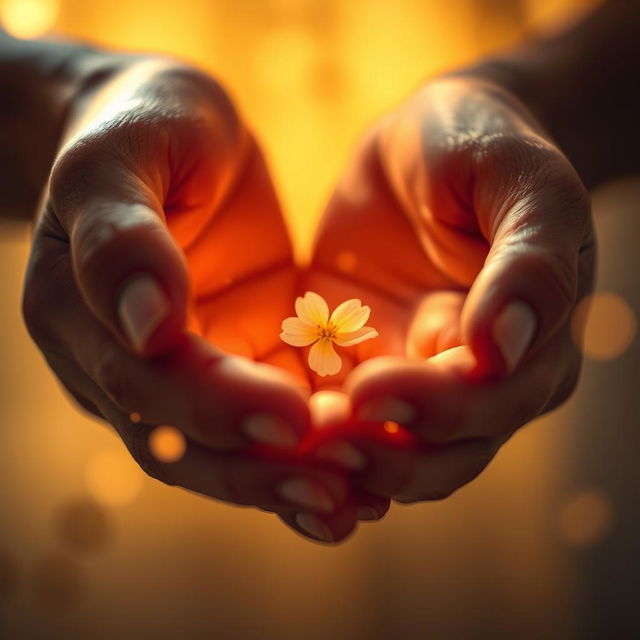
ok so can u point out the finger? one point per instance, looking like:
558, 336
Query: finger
369, 506
441, 400
408, 471
130, 271
435, 326
535, 213
273, 483
218, 400
434, 473
331, 529
116, 178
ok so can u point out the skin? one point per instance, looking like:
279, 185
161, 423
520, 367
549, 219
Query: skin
464, 182
168, 187
455, 204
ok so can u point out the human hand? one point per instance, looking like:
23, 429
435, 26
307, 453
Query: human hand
469, 234
160, 216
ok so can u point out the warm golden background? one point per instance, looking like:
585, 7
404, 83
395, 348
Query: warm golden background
544, 544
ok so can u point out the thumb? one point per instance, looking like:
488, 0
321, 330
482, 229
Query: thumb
128, 268
541, 257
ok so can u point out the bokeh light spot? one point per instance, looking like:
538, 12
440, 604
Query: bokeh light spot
83, 525
28, 18
58, 582
346, 261
391, 427
135, 417
113, 478
586, 519
167, 444
9, 576
603, 325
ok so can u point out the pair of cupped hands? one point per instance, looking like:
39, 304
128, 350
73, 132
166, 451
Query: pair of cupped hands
161, 271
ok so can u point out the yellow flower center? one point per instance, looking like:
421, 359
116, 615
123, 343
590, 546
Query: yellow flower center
327, 332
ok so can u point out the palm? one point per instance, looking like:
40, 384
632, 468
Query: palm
370, 246
241, 266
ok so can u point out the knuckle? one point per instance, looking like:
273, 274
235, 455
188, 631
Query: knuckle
204, 89
120, 143
508, 153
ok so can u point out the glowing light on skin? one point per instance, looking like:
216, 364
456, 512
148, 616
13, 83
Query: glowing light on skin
26, 19
391, 427
346, 261
314, 326
167, 444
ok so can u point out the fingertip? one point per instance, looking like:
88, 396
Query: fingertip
132, 274
146, 316
273, 408
328, 530
513, 332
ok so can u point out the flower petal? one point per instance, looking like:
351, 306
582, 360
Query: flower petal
313, 309
350, 338
298, 333
350, 316
323, 359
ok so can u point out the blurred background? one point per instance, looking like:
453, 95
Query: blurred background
543, 544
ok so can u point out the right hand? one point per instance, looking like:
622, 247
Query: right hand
160, 215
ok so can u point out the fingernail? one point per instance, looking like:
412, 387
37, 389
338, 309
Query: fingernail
367, 513
143, 305
392, 409
314, 526
513, 331
307, 493
343, 454
269, 429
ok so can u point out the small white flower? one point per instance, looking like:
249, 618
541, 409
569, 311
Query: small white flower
313, 325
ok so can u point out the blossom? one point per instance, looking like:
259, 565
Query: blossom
314, 326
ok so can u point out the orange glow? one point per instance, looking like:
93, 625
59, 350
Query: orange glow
586, 519
391, 427
27, 19
178, 563
346, 261
167, 444
113, 478
603, 325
